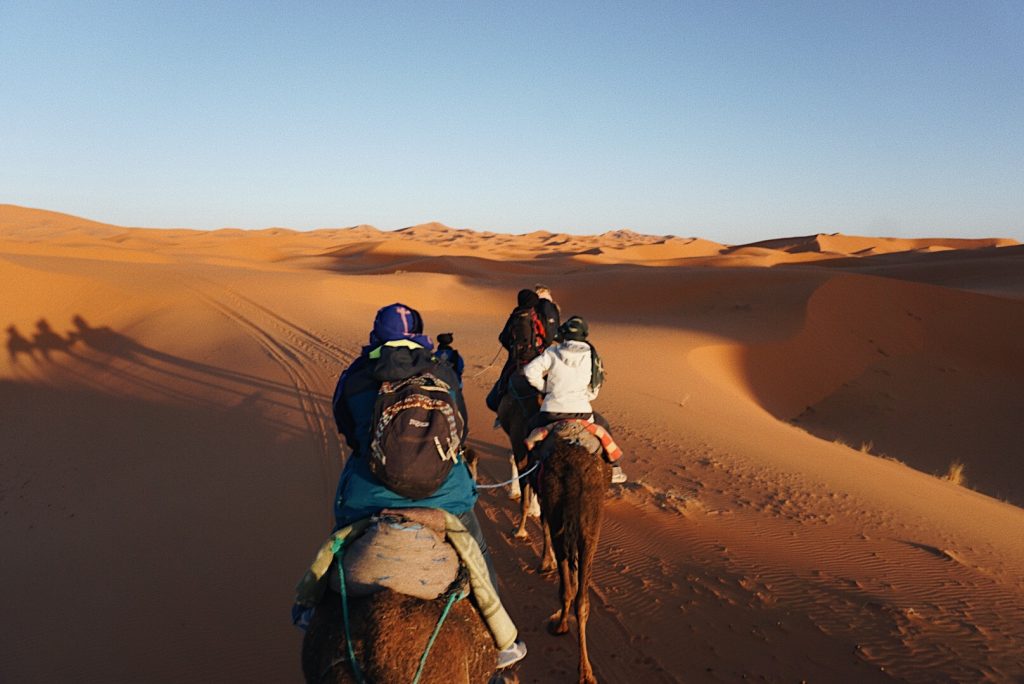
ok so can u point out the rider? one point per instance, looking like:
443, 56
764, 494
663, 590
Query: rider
570, 375
446, 352
398, 349
549, 314
523, 338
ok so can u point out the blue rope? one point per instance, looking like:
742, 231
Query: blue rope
437, 628
338, 549
508, 482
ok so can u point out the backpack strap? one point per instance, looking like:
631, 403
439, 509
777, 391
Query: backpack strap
539, 334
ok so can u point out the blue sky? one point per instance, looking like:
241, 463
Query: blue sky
733, 121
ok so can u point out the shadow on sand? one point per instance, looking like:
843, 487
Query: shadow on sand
101, 356
167, 535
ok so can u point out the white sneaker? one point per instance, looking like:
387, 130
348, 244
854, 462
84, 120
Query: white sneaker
618, 477
512, 654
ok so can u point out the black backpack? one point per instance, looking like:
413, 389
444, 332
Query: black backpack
416, 436
596, 369
527, 334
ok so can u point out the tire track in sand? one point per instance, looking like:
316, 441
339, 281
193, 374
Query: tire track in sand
294, 350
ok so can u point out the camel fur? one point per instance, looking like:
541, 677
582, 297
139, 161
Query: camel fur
390, 633
573, 481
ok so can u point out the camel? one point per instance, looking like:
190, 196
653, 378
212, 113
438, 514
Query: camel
429, 636
573, 481
516, 409
390, 633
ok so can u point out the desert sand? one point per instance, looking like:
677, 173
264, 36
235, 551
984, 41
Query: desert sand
789, 409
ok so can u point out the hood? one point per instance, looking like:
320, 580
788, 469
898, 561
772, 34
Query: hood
574, 354
399, 363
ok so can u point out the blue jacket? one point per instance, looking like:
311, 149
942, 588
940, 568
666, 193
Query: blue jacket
360, 493
453, 358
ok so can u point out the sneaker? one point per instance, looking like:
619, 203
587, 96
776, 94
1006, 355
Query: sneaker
512, 654
618, 477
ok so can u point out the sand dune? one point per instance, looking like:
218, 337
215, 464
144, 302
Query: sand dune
836, 243
787, 409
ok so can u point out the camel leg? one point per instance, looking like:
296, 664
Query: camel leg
524, 511
547, 556
514, 492
559, 622
589, 546
534, 506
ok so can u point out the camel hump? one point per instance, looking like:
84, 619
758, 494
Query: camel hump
402, 551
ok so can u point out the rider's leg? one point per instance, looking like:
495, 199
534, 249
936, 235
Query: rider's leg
618, 475
473, 527
516, 651
602, 421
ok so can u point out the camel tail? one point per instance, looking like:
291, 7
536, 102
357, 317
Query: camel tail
573, 522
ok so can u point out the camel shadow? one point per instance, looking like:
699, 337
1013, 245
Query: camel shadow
95, 355
18, 344
44, 340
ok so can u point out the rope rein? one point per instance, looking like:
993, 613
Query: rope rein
508, 482
339, 549
487, 367
455, 596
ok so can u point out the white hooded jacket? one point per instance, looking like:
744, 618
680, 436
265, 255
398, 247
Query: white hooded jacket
562, 373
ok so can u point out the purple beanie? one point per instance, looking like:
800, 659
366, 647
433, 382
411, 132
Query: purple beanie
398, 322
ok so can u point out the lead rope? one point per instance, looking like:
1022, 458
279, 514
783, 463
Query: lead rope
338, 549
455, 596
508, 482
485, 368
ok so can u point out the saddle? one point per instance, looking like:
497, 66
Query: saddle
403, 550
591, 436
322, 572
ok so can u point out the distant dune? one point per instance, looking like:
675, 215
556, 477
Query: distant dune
790, 410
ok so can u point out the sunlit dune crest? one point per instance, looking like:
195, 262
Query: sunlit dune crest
793, 413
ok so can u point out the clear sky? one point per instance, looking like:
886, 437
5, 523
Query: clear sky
733, 121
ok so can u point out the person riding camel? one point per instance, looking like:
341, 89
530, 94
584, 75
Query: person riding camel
398, 351
550, 316
449, 354
524, 338
569, 375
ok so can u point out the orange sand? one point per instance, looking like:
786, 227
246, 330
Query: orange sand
787, 409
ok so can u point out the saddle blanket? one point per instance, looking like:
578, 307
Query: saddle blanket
315, 580
573, 429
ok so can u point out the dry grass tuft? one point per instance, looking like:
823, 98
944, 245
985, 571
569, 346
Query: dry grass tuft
956, 474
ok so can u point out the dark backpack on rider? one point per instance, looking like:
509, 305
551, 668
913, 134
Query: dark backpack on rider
596, 369
416, 436
527, 335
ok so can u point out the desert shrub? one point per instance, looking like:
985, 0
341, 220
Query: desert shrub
956, 474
